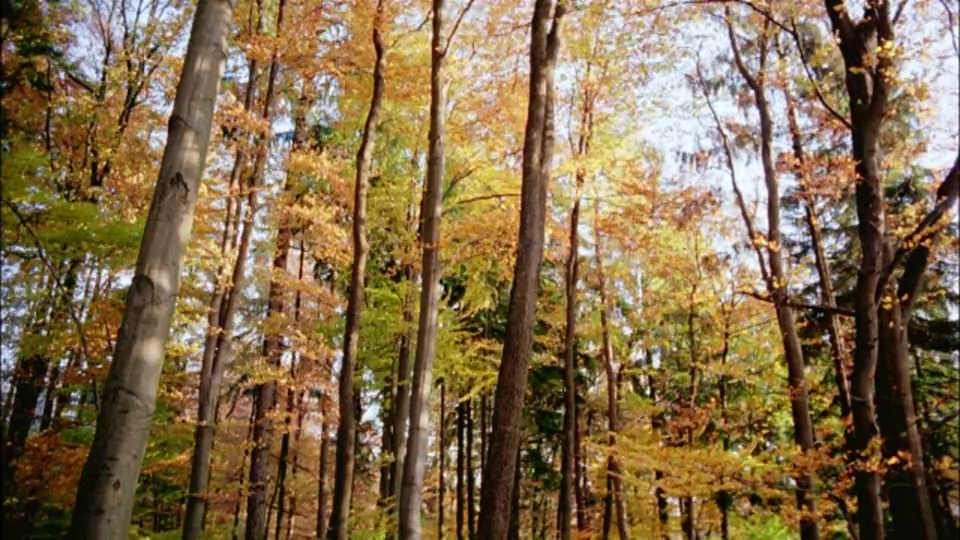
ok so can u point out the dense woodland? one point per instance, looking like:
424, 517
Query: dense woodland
491, 269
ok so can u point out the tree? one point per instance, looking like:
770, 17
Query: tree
498, 483
347, 429
108, 483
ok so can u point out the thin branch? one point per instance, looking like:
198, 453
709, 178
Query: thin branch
795, 304
456, 25
816, 86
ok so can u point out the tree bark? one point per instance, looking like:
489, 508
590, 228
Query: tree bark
498, 483
911, 506
777, 286
614, 470
442, 450
347, 429
223, 306
568, 466
108, 482
867, 83
415, 456
461, 494
471, 479
322, 470
827, 296
256, 525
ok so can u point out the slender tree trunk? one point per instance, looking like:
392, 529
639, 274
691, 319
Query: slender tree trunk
827, 296
347, 429
256, 525
867, 89
461, 494
663, 511
777, 286
442, 450
235, 532
322, 470
292, 516
223, 306
499, 482
471, 478
401, 408
911, 506
614, 470
108, 482
569, 453
415, 457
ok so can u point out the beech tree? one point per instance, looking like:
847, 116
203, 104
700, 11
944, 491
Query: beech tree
105, 496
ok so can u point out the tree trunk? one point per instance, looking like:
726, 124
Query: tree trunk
663, 511
777, 286
256, 525
498, 483
568, 459
471, 479
866, 81
235, 532
910, 503
614, 470
461, 503
223, 306
837, 352
415, 457
401, 408
322, 470
347, 429
442, 450
108, 482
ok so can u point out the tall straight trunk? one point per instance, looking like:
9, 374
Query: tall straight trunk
414, 461
568, 456
223, 306
498, 483
401, 407
867, 83
293, 394
461, 494
827, 296
724, 499
256, 525
614, 469
442, 450
777, 286
579, 472
483, 435
107, 486
911, 505
235, 532
294, 466
322, 470
293, 403
471, 478
347, 429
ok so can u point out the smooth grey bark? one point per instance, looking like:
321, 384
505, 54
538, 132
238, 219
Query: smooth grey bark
414, 462
347, 429
108, 482
499, 480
